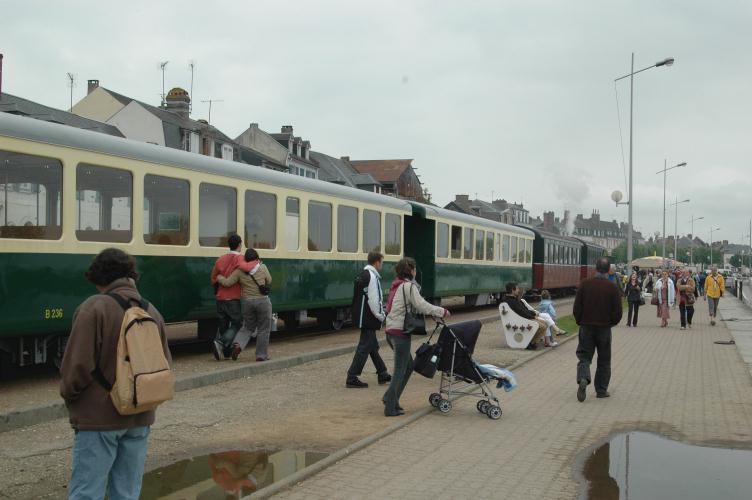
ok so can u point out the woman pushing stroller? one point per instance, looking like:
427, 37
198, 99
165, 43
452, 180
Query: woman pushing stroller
403, 293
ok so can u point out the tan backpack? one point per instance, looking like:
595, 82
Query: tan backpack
143, 379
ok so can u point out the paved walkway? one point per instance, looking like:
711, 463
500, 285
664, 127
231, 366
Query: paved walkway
677, 383
738, 319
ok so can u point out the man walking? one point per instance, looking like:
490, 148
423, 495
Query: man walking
597, 307
368, 314
714, 286
228, 300
109, 449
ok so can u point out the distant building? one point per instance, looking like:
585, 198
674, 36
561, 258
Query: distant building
23, 107
339, 171
169, 126
299, 153
262, 149
609, 234
397, 177
498, 210
728, 250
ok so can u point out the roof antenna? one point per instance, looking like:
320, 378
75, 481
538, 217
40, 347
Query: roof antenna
162, 67
71, 84
192, 64
210, 101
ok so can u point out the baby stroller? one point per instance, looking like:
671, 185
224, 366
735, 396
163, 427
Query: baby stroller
460, 375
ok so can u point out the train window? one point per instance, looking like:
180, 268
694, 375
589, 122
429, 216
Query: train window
528, 251
393, 227
30, 197
480, 236
489, 246
498, 247
260, 219
521, 250
371, 231
560, 258
167, 219
319, 226
104, 200
217, 214
513, 249
292, 223
467, 252
442, 240
505, 248
347, 229
456, 242
545, 251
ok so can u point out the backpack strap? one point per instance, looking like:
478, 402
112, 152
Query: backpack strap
126, 303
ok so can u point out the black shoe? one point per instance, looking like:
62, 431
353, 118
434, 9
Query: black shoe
397, 414
581, 394
236, 352
356, 384
399, 408
531, 347
385, 379
603, 395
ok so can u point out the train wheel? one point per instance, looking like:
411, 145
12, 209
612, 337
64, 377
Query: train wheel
290, 319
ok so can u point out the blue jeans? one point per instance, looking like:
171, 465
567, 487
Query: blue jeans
108, 460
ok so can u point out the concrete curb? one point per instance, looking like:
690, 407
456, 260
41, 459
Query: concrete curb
343, 453
44, 413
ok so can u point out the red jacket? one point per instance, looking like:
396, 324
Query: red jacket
225, 265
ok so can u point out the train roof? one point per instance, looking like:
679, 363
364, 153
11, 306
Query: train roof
553, 236
63, 135
591, 245
430, 210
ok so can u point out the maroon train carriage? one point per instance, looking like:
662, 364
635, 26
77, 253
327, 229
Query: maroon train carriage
556, 263
589, 254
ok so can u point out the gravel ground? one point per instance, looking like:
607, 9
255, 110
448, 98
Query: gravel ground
305, 407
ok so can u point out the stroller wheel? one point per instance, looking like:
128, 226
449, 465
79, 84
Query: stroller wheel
434, 399
483, 406
494, 412
445, 406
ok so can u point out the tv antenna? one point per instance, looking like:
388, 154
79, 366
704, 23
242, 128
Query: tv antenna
210, 101
71, 84
192, 64
162, 67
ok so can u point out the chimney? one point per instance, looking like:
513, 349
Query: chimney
500, 204
287, 129
92, 86
253, 126
462, 198
178, 102
344, 158
548, 221
595, 216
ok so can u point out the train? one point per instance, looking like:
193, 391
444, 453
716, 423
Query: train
66, 194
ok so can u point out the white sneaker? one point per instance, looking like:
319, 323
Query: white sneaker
682, 328
554, 344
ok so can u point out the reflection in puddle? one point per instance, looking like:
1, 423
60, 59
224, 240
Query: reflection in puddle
225, 475
639, 465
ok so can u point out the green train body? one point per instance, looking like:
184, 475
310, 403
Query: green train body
42, 280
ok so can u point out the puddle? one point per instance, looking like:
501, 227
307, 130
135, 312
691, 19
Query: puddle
640, 465
224, 475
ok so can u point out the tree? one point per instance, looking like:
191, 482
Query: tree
736, 261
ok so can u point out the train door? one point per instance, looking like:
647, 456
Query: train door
420, 244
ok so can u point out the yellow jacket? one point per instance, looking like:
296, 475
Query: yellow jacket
714, 286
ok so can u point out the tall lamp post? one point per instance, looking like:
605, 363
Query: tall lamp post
711, 242
691, 262
682, 164
666, 62
676, 226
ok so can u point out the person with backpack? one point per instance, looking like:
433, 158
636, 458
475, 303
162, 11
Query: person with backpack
114, 373
255, 287
368, 315
687, 293
228, 300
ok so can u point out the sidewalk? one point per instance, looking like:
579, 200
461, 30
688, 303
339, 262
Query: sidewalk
737, 316
676, 383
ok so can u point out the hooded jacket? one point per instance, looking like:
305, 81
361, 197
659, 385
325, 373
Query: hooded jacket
368, 300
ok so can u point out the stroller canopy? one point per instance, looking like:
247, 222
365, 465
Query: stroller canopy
457, 343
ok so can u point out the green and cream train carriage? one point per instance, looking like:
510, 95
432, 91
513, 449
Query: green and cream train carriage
66, 194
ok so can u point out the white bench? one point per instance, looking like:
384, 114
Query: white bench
518, 331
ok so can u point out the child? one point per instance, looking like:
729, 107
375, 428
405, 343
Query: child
546, 307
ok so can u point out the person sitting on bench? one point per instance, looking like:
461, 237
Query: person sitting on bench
513, 300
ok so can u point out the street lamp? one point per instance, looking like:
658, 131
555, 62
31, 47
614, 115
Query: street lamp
666, 62
711, 242
682, 164
691, 262
676, 225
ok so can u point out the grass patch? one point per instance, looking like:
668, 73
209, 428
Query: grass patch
568, 324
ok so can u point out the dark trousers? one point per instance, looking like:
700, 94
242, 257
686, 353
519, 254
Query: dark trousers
367, 346
686, 311
594, 338
632, 320
403, 368
230, 321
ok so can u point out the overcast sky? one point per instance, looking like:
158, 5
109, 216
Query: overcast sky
514, 97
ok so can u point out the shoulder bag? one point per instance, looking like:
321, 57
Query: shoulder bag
415, 324
264, 289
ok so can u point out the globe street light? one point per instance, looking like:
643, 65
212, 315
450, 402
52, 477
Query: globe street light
682, 164
669, 61
691, 262
676, 225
